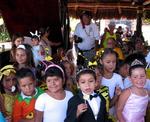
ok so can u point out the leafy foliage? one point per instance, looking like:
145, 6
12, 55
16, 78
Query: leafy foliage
4, 35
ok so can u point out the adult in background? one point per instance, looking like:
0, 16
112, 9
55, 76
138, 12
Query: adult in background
109, 33
45, 42
86, 35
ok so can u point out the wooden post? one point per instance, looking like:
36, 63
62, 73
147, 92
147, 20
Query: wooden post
139, 23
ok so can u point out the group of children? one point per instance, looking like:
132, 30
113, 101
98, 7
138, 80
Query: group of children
100, 95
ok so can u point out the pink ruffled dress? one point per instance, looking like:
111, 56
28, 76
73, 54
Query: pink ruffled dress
135, 108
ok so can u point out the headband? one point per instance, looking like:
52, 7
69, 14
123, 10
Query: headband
6, 70
54, 65
21, 46
84, 69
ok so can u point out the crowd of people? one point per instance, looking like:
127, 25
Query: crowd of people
108, 83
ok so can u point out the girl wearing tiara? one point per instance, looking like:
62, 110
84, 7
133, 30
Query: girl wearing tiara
133, 101
51, 106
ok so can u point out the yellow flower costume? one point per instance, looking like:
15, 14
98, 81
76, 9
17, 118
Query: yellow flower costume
8, 99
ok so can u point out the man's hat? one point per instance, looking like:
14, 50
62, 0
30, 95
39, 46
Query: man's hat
86, 13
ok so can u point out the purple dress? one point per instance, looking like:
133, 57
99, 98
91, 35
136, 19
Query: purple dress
135, 108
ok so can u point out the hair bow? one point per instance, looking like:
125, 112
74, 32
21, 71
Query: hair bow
6, 70
92, 63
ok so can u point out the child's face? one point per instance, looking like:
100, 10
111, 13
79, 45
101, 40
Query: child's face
35, 42
138, 77
87, 83
21, 56
27, 86
124, 70
110, 43
18, 41
9, 81
54, 84
98, 75
68, 69
98, 78
109, 63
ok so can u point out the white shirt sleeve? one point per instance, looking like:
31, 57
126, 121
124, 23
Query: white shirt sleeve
96, 32
77, 30
39, 104
120, 82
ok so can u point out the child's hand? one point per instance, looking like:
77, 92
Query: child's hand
117, 91
81, 108
8, 119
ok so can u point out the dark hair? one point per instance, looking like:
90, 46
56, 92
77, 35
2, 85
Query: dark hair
1, 85
85, 13
134, 67
25, 72
130, 58
108, 51
15, 36
85, 71
54, 71
35, 37
44, 30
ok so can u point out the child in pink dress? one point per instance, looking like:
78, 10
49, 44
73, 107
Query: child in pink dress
133, 101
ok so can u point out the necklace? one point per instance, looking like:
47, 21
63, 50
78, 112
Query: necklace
90, 30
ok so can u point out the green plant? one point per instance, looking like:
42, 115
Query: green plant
4, 35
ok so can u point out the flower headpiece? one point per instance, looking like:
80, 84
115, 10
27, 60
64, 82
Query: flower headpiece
6, 70
136, 62
35, 34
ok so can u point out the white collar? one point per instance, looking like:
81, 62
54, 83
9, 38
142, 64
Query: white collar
87, 94
24, 96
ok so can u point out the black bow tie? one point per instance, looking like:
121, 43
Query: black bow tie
92, 96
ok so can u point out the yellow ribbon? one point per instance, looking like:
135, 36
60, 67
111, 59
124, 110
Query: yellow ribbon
92, 63
48, 58
6, 70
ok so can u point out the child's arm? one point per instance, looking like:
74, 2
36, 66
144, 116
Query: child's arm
74, 110
115, 98
38, 116
121, 103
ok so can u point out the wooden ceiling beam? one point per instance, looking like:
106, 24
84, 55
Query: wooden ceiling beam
102, 5
147, 2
